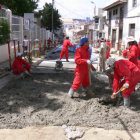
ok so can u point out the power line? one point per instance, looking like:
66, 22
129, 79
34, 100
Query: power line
66, 9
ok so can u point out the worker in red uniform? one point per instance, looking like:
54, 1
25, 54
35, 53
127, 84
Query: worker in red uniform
139, 55
20, 66
133, 50
108, 52
83, 63
139, 50
65, 50
131, 74
49, 42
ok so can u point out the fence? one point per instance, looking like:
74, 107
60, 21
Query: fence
17, 34
3, 13
17, 28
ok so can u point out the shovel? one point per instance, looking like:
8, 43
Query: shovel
121, 89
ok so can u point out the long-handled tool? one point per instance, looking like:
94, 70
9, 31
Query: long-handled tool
120, 90
89, 68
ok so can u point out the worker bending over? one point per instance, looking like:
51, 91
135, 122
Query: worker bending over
20, 66
83, 64
130, 74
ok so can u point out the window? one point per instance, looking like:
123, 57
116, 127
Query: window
134, 3
96, 20
131, 29
115, 12
100, 35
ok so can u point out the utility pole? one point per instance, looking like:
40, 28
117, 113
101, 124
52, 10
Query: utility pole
52, 19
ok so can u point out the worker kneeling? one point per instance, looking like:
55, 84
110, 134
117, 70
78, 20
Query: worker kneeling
130, 74
21, 67
83, 65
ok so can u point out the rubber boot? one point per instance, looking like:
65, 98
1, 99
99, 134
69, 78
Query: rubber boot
71, 92
126, 101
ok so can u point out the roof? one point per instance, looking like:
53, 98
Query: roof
114, 4
67, 21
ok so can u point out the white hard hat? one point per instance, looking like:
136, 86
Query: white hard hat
19, 54
110, 62
130, 39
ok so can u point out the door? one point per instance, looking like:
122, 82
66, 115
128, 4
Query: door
113, 38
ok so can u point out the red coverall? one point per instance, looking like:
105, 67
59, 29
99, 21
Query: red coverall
108, 52
131, 74
49, 43
65, 50
20, 65
82, 54
125, 53
133, 54
139, 50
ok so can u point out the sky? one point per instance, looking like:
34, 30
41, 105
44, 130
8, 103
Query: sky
75, 8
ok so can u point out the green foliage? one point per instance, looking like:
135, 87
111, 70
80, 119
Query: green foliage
4, 31
46, 20
19, 7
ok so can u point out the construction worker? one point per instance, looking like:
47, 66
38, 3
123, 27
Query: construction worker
83, 63
129, 72
65, 50
20, 66
49, 43
133, 50
108, 52
25, 45
139, 50
102, 54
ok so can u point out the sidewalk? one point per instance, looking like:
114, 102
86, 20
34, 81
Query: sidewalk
57, 133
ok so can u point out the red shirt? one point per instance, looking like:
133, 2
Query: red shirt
18, 65
133, 54
66, 44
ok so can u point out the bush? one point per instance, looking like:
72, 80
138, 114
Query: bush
4, 31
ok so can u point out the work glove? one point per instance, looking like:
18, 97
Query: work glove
113, 96
89, 62
126, 85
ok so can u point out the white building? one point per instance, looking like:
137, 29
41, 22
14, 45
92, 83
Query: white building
123, 17
72, 26
99, 25
131, 26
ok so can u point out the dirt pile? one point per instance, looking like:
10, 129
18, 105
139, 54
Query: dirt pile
43, 100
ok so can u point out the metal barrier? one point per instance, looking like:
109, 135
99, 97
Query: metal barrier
17, 28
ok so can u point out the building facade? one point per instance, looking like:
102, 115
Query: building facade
123, 17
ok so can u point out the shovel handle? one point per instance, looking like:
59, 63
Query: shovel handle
89, 68
121, 89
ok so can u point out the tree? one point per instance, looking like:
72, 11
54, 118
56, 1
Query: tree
19, 7
4, 31
46, 20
